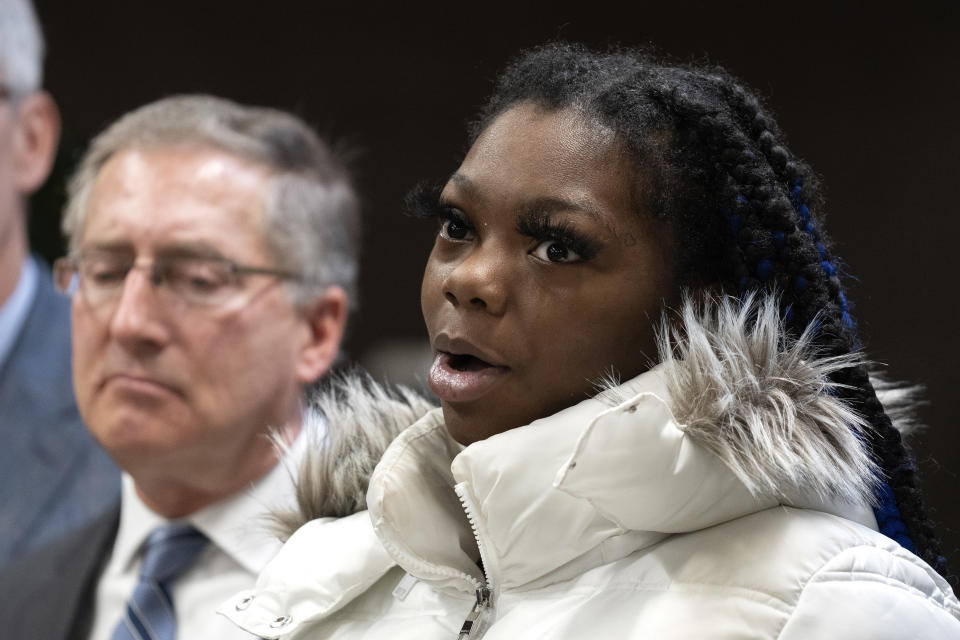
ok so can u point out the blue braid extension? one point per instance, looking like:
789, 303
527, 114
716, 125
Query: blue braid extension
733, 220
807, 225
889, 520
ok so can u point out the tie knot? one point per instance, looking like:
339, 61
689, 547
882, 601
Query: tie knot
169, 550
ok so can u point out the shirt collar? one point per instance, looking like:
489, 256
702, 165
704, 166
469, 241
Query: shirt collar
14, 311
239, 526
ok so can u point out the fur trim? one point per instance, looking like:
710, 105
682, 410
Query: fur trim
348, 423
900, 401
763, 403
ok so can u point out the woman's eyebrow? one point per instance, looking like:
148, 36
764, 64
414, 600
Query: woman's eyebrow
465, 184
548, 205
544, 205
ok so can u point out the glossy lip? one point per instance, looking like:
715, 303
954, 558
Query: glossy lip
451, 385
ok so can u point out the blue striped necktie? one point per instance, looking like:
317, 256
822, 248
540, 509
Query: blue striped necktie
149, 614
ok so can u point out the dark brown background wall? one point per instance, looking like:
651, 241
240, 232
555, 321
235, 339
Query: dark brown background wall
867, 94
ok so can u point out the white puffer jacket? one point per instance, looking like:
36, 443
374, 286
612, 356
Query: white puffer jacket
333, 579
655, 510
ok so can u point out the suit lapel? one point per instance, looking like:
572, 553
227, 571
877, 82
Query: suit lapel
50, 593
44, 435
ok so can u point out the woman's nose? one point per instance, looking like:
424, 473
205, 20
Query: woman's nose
479, 281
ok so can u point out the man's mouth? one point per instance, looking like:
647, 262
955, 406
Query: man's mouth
138, 384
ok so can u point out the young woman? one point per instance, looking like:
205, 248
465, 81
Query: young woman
733, 475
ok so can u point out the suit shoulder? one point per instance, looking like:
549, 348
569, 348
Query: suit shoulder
43, 592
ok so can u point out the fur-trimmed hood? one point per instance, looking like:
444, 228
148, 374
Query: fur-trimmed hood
734, 385
349, 422
572, 517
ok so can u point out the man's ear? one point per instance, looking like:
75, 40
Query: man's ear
326, 318
35, 140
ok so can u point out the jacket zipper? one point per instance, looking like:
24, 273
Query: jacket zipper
476, 618
424, 568
480, 616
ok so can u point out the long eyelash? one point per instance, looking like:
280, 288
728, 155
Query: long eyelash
423, 201
542, 227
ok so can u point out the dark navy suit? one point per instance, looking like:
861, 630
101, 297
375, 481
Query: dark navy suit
53, 475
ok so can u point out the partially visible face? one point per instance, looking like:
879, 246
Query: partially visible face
172, 387
29, 130
10, 198
544, 276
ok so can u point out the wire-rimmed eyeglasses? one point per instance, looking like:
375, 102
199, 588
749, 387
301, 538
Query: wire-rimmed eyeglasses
196, 281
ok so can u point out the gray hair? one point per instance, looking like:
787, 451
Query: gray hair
21, 47
311, 210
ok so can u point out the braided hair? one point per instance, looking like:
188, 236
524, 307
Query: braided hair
720, 169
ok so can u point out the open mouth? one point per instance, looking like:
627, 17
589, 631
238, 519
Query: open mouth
466, 362
460, 377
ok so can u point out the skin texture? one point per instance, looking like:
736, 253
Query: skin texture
558, 327
29, 131
181, 397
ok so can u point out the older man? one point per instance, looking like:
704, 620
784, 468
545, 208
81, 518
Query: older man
53, 476
212, 254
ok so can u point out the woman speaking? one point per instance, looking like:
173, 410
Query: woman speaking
655, 420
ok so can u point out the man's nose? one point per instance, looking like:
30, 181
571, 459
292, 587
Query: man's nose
137, 317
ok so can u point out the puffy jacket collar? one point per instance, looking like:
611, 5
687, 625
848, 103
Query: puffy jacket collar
323, 567
622, 470
348, 424
581, 488
331, 556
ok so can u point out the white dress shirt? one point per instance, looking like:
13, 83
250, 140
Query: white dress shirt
241, 544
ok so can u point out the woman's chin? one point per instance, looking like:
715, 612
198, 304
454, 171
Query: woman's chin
473, 424
463, 429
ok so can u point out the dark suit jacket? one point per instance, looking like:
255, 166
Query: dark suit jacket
50, 593
53, 475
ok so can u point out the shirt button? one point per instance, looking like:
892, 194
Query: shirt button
282, 621
245, 603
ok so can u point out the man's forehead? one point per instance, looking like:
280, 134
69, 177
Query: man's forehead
188, 164
175, 175
177, 197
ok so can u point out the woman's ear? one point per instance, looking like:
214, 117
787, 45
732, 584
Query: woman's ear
326, 320
35, 140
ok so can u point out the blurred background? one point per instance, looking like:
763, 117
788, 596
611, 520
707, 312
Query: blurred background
868, 94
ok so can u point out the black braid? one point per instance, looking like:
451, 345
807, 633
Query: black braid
720, 169
888, 446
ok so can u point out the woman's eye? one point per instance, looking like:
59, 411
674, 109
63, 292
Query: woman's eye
455, 228
555, 251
